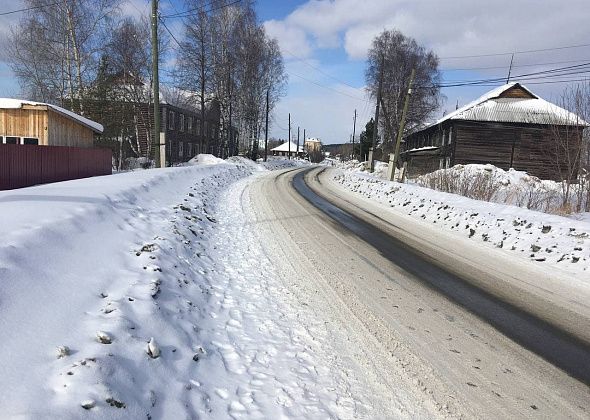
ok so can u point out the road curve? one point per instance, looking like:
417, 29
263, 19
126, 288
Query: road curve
377, 294
567, 350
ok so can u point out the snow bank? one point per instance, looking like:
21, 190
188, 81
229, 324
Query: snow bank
550, 240
507, 187
205, 159
92, 271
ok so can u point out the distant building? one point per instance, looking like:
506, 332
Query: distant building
312, 144
288, 149
28, 122
509, 127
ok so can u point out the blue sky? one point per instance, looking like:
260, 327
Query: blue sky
324, 44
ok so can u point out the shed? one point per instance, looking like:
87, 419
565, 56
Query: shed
509, 127
28, 122
286, 149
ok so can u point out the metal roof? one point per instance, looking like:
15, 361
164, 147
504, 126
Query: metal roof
490, 107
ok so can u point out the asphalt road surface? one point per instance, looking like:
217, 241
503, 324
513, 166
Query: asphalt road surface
475, 333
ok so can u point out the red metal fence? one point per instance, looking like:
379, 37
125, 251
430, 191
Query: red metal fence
26, 165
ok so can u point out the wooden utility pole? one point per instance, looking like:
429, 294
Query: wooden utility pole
353, 132
297, 152
510, 69
266, 130
289, 140
156, 85
402, 123
376, 126
230, 133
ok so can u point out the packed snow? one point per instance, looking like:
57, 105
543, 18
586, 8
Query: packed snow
551, 240
147, 295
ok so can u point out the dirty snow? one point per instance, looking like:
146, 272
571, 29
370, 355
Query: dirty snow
552, 241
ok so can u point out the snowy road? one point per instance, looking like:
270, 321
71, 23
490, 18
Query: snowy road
406, 335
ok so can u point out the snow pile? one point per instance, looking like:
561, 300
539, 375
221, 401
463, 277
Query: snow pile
205, 159
277, 162
490, 183
94, 273
354, 165
542, 238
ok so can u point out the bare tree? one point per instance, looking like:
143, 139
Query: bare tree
398, 55
568, 151
54, 50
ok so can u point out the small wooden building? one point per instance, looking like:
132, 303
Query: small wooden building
27, 122
509, 127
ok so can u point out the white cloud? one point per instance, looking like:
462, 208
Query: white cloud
458, 27
289, 37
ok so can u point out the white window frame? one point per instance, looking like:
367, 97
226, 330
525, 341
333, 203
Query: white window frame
181, 122
180, 149
190, 124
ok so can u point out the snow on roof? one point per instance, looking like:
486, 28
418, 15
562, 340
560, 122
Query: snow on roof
493, 108
10, 103
312, 140
422, 149
285, 147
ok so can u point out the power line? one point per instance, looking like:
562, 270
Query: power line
516, 65
514, 52
326, 87
562, 71
191, 12
318, 69
169, 31
29, 8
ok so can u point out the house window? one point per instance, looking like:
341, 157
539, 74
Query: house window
30, 140
199, 126
190, 124
171, 120
190, 150
180, 149
448, 162
11, 140
181, 122
450, 135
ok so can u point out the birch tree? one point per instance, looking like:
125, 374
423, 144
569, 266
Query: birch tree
399, 54
55, 47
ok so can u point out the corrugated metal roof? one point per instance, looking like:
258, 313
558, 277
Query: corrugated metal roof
491, 108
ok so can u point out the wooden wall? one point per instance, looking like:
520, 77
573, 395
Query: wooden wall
524, 147
24, 123
64, 131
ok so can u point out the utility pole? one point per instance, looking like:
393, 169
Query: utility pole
289, 140
297, 152
510, 69
353, 132
266, 130
156, 85
230, 133
402, 123
376, 126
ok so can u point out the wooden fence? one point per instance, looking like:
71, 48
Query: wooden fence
26, 165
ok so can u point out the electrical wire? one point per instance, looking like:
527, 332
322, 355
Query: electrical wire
514, 52
29, 8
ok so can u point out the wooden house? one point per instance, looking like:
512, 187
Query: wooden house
509, 127
27, 122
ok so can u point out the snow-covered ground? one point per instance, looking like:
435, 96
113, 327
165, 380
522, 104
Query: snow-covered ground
550, 240
147, 295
